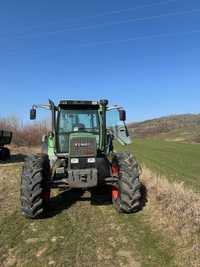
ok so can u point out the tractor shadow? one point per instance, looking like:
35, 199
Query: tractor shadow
67, 199
101, 196
98, 197
63, 201
16, 158
144, 197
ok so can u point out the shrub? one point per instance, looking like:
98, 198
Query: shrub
24, 135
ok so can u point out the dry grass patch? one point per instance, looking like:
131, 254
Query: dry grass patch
24, 150
175, 210
9, 188
10, 173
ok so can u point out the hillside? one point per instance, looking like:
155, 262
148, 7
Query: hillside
181, 128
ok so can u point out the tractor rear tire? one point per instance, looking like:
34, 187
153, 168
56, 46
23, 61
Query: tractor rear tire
35, 191
128, 199
4, 153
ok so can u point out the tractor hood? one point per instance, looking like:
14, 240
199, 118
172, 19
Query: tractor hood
82, 145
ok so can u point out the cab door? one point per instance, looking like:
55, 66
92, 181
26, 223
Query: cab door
115, 121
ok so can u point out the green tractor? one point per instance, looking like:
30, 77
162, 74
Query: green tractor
5, 139
78, 153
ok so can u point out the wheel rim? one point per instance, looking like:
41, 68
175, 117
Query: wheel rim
115, 193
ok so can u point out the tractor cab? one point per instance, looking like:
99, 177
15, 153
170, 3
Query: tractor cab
77, 121
85, 128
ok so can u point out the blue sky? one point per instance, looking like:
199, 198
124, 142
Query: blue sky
143, 54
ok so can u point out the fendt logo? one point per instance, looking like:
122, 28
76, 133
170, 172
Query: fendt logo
82, 144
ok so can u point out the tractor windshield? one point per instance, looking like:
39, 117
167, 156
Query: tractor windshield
73, 121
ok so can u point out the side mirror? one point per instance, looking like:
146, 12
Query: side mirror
122, 115
33, 114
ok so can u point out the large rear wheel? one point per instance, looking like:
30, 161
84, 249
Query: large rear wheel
127, 197
35, 191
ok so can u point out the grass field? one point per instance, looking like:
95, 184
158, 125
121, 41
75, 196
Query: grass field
85, 230
78, 230
178, 162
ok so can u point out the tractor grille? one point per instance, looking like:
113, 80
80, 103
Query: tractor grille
83, 146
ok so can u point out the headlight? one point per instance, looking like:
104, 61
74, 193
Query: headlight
74, 160
91, 160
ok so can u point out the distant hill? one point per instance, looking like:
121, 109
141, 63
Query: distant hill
180, 128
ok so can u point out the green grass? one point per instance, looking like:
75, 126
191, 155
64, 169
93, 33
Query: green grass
80, 234
156, 248
178, 162
70, 236
78, 231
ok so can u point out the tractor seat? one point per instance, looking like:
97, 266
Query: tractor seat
78, 126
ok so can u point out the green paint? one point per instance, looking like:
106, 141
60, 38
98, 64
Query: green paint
51, 145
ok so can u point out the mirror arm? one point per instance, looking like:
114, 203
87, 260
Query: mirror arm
43, 106
114, 107
53, 109
49, 106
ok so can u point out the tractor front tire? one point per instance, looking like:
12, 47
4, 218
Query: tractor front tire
35, 191
128, 197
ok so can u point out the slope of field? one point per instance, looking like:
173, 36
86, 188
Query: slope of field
177, 161
180, 128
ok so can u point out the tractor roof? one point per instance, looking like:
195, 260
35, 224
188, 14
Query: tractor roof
78, 104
